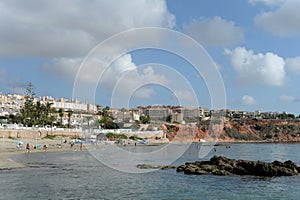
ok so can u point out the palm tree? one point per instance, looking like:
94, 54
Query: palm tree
61, 115
89, 118
70, 113
107, 121
104, 121
49, 113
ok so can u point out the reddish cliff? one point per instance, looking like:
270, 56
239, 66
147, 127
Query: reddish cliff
236, 130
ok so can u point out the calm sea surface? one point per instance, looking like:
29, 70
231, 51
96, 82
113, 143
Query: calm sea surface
78, 175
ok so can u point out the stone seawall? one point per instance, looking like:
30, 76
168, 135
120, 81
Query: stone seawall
39, 134
29, 134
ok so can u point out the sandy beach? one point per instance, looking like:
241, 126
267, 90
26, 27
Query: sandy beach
8, 147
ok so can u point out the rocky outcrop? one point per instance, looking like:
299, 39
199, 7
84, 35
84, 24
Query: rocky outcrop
221, 166
149, 166
218, 165
261, 130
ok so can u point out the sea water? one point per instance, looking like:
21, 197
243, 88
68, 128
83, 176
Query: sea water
79, 175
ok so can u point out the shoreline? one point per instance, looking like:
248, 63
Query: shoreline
259, 142
8, 148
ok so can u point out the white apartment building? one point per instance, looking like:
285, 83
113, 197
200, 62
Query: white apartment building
12, 103
68, 104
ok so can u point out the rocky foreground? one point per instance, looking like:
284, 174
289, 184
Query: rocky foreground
219, 165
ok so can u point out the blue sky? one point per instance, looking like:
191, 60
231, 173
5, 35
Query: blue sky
254, 43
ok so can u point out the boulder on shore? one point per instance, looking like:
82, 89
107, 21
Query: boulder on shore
219, 165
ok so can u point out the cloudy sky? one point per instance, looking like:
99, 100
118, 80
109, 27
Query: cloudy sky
254, 44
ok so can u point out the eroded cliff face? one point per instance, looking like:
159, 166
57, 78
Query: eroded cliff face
236, 130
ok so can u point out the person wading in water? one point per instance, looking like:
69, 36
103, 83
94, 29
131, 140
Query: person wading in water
27, 148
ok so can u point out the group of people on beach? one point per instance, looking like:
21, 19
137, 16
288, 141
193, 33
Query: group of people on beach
19, 147
73, 143
45, 147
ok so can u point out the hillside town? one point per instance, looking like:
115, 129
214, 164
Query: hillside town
84, 114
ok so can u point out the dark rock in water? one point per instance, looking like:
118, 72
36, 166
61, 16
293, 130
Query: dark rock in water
148, 166
201, 172
190, 170
168, 167
180, 168
220, 172
221, 166
290, 164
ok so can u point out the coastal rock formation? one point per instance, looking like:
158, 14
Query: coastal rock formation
219, 165
261, 130
266, 130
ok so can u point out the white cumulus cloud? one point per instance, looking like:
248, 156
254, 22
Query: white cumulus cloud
261, 69
288, 98
293, 64
107, 77
248, 100
65, 31
267, 2
186, 97
144, 93
283, 21
63, 67
67, 28
214, 31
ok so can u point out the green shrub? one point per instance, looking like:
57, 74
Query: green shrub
115, 136
135, 137
268, 136
222, 137
216, 121
292, 127
257, 127
12, 138
51, 137
235, 134
111, 135
122, 136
